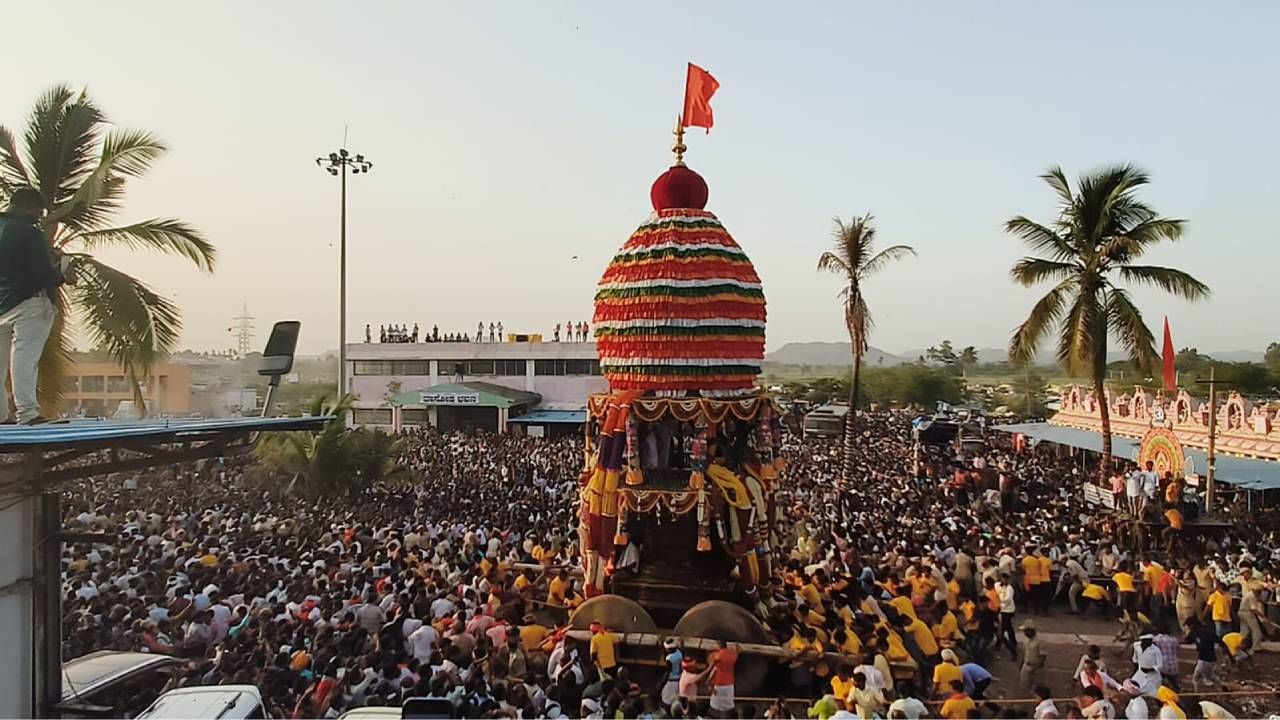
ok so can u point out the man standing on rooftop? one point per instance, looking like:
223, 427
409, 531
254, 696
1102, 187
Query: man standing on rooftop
27, 276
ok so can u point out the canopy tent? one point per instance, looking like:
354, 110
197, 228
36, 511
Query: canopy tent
1247, 473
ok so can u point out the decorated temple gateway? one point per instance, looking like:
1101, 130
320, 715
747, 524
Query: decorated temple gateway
681, 451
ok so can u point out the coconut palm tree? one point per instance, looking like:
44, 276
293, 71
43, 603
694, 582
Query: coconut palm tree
82, 165
855, 260
1101, 232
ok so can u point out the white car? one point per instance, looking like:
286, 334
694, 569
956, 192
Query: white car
108, 683
220, 702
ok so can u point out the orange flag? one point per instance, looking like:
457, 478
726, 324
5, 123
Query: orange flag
1170, 373
699, 86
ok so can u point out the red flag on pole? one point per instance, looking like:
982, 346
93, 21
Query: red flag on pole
1170, 374
699, 86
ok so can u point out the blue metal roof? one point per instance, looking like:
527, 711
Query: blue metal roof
552, 417
1249, 473
17, 438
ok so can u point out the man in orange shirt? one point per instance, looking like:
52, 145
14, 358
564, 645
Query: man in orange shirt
958, 706
723, 661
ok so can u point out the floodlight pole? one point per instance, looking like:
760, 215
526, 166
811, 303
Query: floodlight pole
337, 164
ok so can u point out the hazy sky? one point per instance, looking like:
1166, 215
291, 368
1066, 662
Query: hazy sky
509, 136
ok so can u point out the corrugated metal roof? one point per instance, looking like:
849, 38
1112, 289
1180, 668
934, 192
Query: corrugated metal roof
14, 438
1249, 473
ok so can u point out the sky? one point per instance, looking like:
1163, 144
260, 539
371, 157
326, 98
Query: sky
509, 137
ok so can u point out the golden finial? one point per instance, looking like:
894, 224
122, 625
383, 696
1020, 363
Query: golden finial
679, 147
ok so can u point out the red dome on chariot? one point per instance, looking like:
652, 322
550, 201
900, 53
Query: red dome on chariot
680, 309
678, 187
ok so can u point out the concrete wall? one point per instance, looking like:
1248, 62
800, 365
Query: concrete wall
16, 607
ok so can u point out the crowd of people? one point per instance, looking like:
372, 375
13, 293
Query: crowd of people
573, 333
897, 592
404, 334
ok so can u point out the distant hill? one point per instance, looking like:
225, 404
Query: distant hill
1253, 356
830, 354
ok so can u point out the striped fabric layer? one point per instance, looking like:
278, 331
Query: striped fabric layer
680, 308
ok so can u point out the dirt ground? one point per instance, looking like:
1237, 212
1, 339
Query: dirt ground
1069, 636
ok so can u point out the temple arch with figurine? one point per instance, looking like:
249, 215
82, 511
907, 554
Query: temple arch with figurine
682, 467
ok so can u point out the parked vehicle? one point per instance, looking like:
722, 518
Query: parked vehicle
108, 683
826, 421
208, 702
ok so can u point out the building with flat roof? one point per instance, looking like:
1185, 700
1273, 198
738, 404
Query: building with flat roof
98, 388
457, 385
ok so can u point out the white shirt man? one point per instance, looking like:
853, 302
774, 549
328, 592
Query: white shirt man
875, 678
1005, 591
1136, 709
1046, 709
909, 708
1150, 484
422, 642
441, 607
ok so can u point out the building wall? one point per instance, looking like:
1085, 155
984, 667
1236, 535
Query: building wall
566, 392
99, 388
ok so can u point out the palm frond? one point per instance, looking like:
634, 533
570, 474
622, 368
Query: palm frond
1137, 238
1083, 333
125, 153
1058, 181
166, 235
1044, 315
123, 316
1174, 282
61, 139
1126, 323
854, 240
1029, 271
1040, 238
41, 142
13, 172
131, 152
831, 262
884, 257
1107, 199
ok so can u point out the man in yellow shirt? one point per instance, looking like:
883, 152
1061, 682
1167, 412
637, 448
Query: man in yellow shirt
811, 594
947, 630
953, 591
556, 590
947, 672
902, 603
842, 683
532, 634
1095, 595
1126, 590
604, 650
1219, 605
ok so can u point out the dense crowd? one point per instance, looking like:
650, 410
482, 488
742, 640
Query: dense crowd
454, 587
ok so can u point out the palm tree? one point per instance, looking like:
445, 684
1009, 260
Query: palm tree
82, 165
1101, 231
854, 260
333, 461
